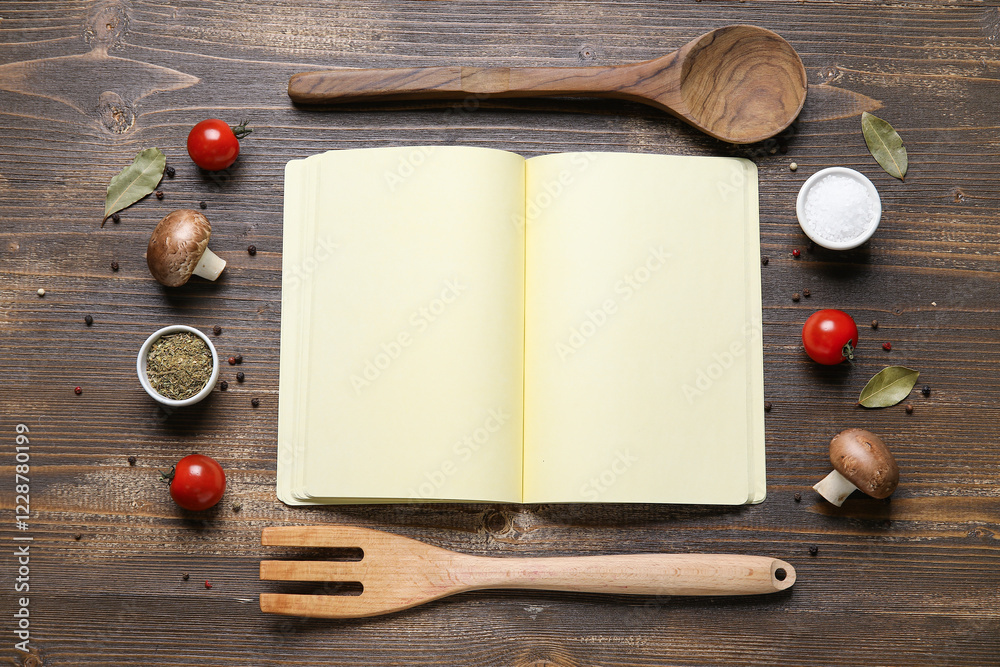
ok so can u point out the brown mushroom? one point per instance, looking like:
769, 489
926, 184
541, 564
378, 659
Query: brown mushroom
861, 461
178, 248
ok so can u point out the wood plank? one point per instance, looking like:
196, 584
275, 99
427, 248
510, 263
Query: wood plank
914, 581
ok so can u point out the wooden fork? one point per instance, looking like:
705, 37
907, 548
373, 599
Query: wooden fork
398, 573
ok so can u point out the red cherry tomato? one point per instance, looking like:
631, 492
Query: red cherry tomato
830, 336
213, 145
197, 482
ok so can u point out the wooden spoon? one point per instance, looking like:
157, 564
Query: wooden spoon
739, 83
397, 573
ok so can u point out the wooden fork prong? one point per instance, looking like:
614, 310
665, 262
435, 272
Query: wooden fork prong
292, 570
325, 606
336, 537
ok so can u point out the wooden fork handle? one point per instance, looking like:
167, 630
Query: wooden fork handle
639, 574
416, 83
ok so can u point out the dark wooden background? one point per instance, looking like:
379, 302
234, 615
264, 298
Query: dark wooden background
85, 85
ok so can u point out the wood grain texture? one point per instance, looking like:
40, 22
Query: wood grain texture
739, 83
85, 86
397, 573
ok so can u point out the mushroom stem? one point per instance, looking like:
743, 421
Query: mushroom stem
835, 488
210, 265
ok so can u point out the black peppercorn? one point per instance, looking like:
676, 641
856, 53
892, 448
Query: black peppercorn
874, 324
170, 172
255, 402
223, 385
795, 297
764, 260
88, 320
78, 537
252, 250
237, 507
114, 266
926, 390
239, 358
185, 576
159, 194
115, 218
131, 460
806, 293
240, 377
813, 550
797, 497
767, 406
203, 205
217, 330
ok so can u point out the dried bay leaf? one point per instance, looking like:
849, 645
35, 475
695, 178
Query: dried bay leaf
888, 387
134, 181
885, 145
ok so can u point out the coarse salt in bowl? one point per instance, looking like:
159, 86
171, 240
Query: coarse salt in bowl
838, 208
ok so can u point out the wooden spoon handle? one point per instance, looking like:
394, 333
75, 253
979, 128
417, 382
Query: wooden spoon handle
416, 83
640, 574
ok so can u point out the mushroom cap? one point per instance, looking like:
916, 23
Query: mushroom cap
176, 246
865, 461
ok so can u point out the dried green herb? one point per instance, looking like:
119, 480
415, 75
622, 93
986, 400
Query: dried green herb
178, 365
134, 181
888, 387
885, 145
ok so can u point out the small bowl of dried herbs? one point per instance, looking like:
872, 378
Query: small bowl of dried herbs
178, 365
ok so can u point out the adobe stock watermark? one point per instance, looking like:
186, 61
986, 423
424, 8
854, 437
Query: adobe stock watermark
762, 149
772, 145
463, 450
599, 316
597, 486
22, 542
737, 179
551, 190
420, 320
408, 164
286, 453
722, 361
296, 275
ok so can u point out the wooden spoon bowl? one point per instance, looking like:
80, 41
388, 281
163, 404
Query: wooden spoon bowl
739, 83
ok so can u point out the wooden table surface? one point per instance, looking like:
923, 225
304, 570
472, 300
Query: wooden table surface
118, 572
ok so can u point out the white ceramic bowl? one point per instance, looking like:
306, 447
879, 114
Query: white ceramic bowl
812, 233
140, 367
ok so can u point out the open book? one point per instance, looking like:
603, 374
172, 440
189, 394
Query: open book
465, 324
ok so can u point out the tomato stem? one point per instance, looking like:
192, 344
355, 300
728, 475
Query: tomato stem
167, 477
848, 351
241, 130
